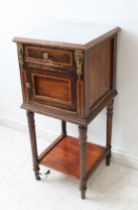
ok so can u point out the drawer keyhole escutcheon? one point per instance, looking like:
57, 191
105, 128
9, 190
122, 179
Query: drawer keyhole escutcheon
45, 56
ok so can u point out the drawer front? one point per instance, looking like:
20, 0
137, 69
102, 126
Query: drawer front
48, 56
57, 90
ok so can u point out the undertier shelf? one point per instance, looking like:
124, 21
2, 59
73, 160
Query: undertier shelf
65, 157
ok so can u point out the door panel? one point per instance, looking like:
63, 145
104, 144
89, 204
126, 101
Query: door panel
53, 89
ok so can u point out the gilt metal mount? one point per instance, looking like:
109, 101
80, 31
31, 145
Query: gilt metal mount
79, 62
20, 54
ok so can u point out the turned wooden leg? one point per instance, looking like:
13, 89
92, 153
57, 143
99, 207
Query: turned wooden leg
83, 159
63, 127
31, 124
109, 130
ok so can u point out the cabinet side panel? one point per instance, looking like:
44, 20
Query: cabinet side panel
100, 59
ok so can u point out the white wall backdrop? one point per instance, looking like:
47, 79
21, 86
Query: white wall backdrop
17, 17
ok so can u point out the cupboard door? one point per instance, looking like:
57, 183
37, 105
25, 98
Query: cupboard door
53, 89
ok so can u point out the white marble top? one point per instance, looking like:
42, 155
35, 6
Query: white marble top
68, 32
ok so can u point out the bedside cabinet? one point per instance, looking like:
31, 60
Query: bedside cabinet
69, 74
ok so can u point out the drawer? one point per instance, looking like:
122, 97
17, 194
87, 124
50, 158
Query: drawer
48, 56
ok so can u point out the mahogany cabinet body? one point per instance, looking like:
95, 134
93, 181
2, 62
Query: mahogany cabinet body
72, 83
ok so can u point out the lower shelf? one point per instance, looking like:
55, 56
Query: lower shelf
65, 157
